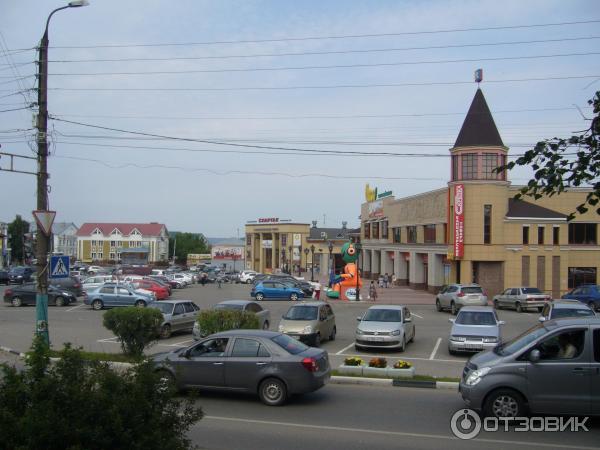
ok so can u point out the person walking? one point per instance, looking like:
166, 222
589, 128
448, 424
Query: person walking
386, 281
372, 291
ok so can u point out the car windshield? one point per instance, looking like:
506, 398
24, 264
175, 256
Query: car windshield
531, 291
383, 315
229, 306
475, 318
301, 313
289, 344
571, 312
518, 343
165, 308
472, 290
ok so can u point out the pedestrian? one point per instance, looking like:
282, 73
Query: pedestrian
386, 281
203, 278
372, 291
219, 281
318, 291
394, 280
380, 281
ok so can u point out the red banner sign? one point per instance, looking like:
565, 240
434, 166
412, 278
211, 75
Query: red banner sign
459, 221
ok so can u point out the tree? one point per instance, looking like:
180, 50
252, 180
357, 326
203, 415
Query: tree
187, 243
135, 327
560, 163
17, 230
75, 404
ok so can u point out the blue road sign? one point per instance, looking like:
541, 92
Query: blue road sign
59, 267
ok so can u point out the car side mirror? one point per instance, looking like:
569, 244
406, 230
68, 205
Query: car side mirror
534, 356
501, 322
542, 319
451, 320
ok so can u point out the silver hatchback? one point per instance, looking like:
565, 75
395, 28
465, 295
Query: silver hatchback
455, 296
385, 326
179, 315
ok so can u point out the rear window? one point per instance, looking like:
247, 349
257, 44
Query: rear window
164, 308
289, 344
531, 291
475, 318
472, 290
565, 312
234, 307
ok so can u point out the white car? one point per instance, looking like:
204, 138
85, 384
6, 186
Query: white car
93, 269
247, 276
92, 283
181, 278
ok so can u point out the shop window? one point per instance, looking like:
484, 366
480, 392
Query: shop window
411, 234
367, 231
526, 235
396, 232
487, 224
469, 166
541, 229
384, 229
489, 163
429, 232
582, 233
581, 275
556, 235
375, 230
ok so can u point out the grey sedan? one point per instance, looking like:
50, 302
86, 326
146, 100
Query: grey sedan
476, 328
178, 315
271, 364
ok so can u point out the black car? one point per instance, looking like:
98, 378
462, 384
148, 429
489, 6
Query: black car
4, 277
25, 295
71, 284
20, 275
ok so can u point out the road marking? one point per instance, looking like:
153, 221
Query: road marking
461, 361
420, 317
112, 340
393, 433
435, 348
75, 307
344, 349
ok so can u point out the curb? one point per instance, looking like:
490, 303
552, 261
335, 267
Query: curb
10, 350
453, 385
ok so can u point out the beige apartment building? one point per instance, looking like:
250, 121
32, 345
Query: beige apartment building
473, 231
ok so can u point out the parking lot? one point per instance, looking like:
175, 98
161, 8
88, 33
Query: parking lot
82, 326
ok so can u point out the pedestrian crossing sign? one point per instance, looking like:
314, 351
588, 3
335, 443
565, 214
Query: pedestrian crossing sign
59, 267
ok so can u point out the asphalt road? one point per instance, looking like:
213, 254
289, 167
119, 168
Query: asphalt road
81, 326
359, 417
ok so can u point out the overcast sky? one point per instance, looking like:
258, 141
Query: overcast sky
402, 82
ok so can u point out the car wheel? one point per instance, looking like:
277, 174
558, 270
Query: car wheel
540, 309
452, 352
266, 325
504, 403
248, 281
293, 296
518, 307
403, 347
165, 331
60, 301
453, 309
438, 305
97, 305
260, 296
16, 301
317, 340
496, 305
333, 333
592, 306
140, 304
412, 339
358, 348
272, 392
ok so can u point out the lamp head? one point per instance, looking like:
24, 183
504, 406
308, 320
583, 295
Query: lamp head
78, 3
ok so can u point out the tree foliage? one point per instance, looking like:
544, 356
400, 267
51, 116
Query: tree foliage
135, 327
75, 404
216, 320
561, 163
16, 241
187, 243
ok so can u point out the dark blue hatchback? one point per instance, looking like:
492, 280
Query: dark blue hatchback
587, 293
267, 290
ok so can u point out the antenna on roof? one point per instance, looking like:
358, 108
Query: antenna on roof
478, 76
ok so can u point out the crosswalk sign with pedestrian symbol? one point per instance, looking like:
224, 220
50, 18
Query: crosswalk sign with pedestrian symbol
59, 267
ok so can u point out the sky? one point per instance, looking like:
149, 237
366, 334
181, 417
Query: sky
204, 115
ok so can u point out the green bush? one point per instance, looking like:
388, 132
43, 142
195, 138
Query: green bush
216, 320
75, 404
135, 327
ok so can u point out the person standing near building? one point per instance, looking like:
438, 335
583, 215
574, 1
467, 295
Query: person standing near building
372, 291
386, 281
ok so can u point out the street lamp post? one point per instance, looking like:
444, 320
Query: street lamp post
312, 263
331, 268
299, 260
306, 250
290, 259
283, 260
43, 244
358, 248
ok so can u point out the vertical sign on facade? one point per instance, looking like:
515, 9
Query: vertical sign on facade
459, 220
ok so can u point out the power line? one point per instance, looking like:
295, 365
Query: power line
331, 86
328, 52
14, 109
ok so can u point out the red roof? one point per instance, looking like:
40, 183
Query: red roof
147, 229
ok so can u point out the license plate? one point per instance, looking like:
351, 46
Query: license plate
295, 337
374, 338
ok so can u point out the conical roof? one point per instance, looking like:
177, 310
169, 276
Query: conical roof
479, 128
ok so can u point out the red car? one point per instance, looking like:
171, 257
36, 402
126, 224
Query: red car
161, 292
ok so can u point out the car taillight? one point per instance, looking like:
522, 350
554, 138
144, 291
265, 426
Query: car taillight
76, 285
8, 292
460, 294
310, 364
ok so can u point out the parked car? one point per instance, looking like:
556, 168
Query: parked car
181, 279
113, 294
20, 275
264, 315
309, 322
93, 270
588, 294
96, 281
159, 291
271, 364
246, 276
306, 287
565, 308
475, 328
4, 277
455, 296
179, 315
26, 295
71, 284
521, 299
275, 290
549, 369
385, 326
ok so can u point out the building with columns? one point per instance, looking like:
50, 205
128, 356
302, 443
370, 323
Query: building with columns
474, 231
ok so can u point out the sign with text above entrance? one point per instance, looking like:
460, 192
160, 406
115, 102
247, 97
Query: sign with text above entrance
59, 267
459, 221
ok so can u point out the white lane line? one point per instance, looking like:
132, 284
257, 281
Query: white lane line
394, 433
344, 349
435, 348
460, 361
420, 317
112, 340
75, 307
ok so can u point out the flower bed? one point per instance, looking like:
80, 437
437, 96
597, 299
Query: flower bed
377, 367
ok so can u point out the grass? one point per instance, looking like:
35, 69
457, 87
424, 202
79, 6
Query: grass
416, 377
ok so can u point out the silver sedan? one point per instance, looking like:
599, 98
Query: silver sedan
476, 328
